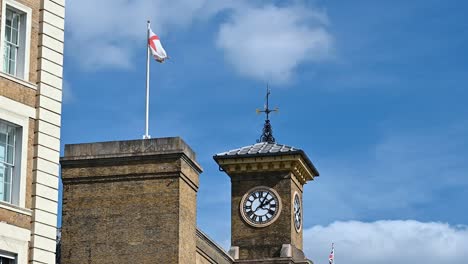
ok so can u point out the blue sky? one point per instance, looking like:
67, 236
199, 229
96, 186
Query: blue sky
374, 92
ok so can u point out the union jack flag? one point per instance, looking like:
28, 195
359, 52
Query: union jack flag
331, 258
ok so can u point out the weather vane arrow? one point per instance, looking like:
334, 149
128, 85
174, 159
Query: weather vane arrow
267, 135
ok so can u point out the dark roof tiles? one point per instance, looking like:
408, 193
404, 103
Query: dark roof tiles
259, 148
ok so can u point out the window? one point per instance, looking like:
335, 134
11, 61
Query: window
10, 148
12, 41
15, 39
7, 258
7, 160
14, 135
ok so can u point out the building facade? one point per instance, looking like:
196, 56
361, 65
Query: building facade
31, 45
135, 202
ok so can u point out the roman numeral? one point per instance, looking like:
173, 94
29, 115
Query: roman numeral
250, 213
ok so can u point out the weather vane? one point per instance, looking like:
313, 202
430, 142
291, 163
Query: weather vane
267, 135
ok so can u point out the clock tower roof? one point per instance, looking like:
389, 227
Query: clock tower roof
266, 149
259, 148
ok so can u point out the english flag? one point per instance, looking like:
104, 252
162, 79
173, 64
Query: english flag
331, 258
156, 47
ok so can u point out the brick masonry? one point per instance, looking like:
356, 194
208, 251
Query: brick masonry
129, 200
41, 92
266, 242
15, 218
17, 92
208, 252
283, 171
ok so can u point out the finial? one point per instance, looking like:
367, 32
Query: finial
267, 135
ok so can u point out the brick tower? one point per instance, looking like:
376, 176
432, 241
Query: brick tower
129, 202
266, 204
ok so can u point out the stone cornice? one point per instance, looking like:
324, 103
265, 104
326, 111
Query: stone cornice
293, 163
115, 178
67, 162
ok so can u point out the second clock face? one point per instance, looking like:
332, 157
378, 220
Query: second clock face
297, 212
260, 206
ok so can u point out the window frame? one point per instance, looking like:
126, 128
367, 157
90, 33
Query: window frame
24, 63
6, 164
20, 119
13, 43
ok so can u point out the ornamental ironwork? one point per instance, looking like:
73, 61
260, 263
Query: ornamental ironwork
267, 135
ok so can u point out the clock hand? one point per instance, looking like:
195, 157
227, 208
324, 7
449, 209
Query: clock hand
258, 207
264, 204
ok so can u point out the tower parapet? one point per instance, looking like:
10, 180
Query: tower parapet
130, 199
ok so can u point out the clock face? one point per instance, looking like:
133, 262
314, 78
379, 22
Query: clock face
260, 206
297, 212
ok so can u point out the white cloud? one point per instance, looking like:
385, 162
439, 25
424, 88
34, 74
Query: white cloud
387, 242
268, 43
261, 41
106, 55
107, 33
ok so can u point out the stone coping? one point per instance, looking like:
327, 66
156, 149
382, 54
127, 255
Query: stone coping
124, 148
201, 235
128, 149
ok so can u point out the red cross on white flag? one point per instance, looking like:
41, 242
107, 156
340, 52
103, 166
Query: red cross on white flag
156, 47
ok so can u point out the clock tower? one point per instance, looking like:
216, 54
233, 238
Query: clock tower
266, 205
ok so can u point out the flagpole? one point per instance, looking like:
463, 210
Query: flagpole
147, 136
